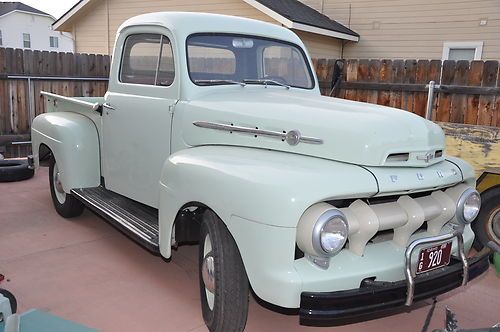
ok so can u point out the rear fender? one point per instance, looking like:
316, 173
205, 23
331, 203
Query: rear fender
74, 142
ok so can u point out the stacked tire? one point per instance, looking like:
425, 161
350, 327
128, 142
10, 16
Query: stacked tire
15, 170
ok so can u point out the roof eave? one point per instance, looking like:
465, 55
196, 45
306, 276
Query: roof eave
299, 26
325, 32
59, 23
27, 12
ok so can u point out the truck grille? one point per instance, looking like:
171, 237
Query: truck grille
398, 218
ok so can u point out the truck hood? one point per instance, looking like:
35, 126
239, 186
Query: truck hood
346, 131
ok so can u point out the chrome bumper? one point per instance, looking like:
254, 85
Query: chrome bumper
410, 278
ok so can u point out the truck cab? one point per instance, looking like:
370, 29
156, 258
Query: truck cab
216, 132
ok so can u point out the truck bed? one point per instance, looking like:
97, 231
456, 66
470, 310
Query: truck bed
58, 103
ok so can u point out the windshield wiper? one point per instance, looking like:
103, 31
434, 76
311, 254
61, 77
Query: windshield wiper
265, 82
217, 82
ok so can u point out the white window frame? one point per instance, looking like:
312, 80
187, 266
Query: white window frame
477, 45
56, 41
27, 40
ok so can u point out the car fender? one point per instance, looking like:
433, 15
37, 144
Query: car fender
74, 142
262, 187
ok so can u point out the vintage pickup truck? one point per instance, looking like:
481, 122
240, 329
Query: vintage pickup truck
216, 132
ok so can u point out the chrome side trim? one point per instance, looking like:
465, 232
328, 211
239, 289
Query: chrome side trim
410, 280
261, 132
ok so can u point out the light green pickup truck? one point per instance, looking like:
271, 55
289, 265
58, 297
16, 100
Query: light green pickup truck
214, 130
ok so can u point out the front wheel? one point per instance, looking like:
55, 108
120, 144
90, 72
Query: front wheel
65, 204
223, 280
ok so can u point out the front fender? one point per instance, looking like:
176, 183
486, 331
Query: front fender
248, 187
74, 142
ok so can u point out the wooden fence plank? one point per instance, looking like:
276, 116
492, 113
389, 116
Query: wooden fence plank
409, 77
385, 76
373, 77
487, 107
459, 101
443, 114
422, 77
4, 108
322, 73
398, 70
3, 64
474, 79
351, 76
9, 61
363, 74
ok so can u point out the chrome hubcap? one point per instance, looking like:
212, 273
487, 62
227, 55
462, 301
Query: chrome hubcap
57, 182
495, 225
208, 272
59, 190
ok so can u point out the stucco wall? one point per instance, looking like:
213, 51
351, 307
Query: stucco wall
415, 28
39, 27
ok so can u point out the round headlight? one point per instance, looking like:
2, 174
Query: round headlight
333, 235
330, 232
468, 206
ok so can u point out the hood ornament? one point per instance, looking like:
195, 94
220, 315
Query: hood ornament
292, 137
426, 157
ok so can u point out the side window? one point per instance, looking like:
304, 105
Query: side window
147, 59
166, 72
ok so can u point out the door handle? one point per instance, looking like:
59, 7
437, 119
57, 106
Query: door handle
108, 106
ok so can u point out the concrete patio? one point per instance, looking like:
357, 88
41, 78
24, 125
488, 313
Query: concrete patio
86, 271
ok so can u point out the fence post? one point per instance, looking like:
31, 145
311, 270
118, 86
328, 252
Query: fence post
430, 100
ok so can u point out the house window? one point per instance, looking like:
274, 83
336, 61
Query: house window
54, 42
462, 50
1, 40
26, 40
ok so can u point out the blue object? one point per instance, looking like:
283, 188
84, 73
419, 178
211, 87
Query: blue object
41, 321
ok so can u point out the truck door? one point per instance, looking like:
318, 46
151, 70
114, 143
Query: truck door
137, 114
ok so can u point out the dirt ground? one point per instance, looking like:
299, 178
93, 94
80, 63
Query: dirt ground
86, 271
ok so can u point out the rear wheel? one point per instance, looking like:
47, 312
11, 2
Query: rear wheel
487, 225
223, 280
65, 204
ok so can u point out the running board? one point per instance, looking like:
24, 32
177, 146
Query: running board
138, 221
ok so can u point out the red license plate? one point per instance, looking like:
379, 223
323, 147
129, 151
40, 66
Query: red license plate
434, 257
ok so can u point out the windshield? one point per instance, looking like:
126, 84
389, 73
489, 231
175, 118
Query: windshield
216, 59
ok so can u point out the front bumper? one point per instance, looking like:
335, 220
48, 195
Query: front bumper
330, 308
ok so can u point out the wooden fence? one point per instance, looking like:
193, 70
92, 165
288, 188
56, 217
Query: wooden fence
467, 92
24, 73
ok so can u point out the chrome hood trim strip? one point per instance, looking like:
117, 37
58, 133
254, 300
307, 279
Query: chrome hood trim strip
292, 137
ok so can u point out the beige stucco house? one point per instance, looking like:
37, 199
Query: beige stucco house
94, 23
421, 29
